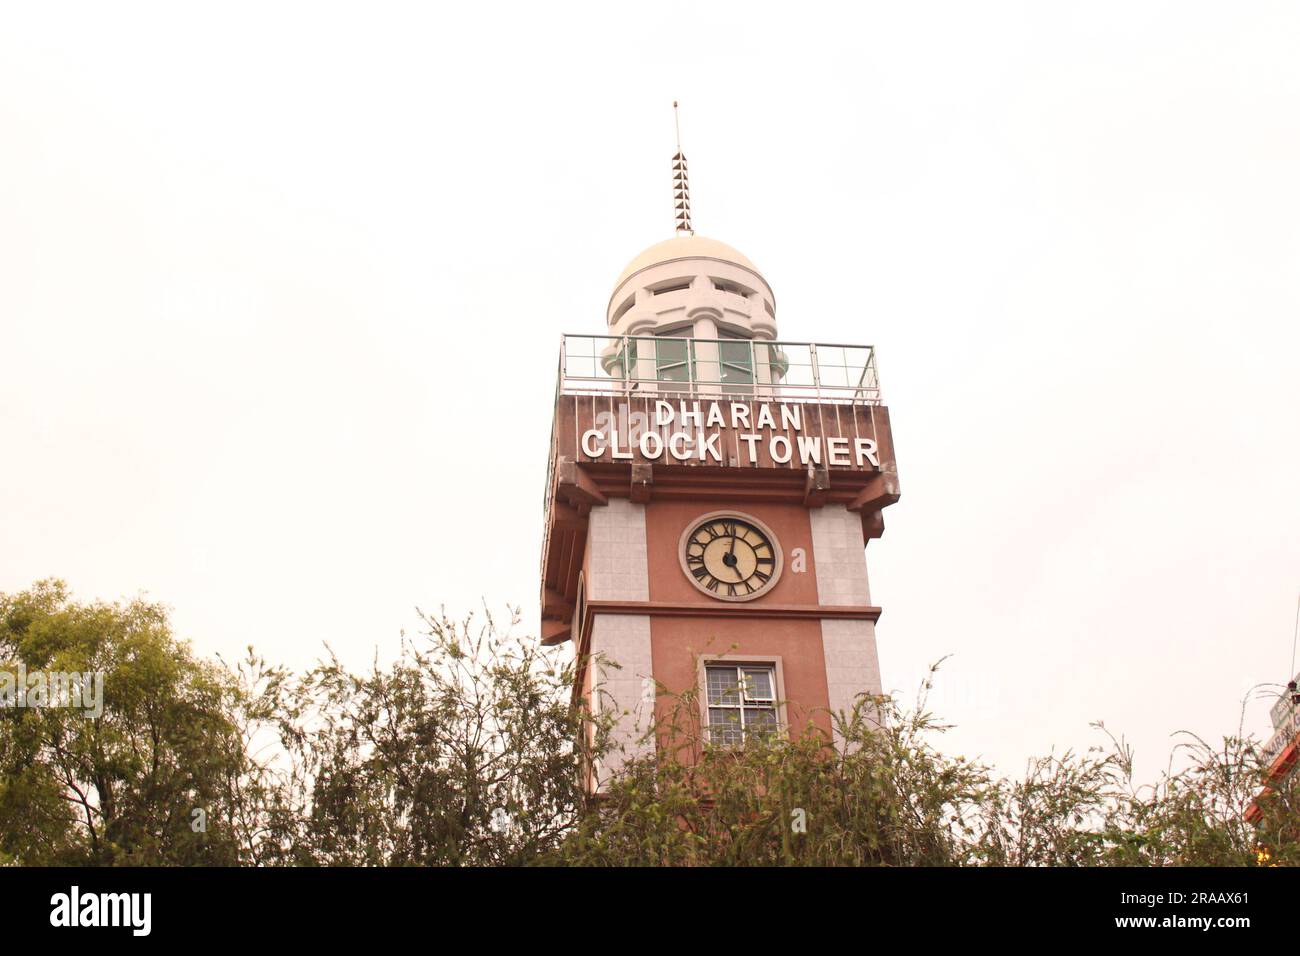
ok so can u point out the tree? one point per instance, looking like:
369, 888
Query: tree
469, 750
465, 751
149, 773
882, 794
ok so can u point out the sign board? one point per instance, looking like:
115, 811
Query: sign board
1284, 734
1284, 708
739, 434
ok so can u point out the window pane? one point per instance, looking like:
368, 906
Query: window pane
724, 727
670, 360
737, 375
724, 688
674, 373
758, 684
671, 351
736, 353
760, 721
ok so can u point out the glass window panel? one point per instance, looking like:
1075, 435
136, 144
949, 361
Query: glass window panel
758, 684
671, 351
736, 353
724, 727
723, 685
670, 360
737, 363
760, 721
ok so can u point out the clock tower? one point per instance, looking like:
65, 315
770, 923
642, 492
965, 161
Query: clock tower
709, 495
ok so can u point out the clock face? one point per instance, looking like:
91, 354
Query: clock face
730, 556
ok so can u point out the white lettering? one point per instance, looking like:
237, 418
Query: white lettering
103, 909
710, 445
648, 439
739, 414
810, 450
784, 456
663, 413
752, 442
615, 453
865, 448
684, 440
588, 437
790, 417
837, 451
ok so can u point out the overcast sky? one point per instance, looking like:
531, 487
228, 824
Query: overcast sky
281, 290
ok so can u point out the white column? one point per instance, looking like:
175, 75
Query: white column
620, 643
849, 646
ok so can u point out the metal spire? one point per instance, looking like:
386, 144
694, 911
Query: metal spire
681, 185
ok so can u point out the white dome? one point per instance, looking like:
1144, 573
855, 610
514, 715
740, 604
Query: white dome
685, 247
689, 282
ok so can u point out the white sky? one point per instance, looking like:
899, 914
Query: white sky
258, 263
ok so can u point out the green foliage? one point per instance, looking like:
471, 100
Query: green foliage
120, 786
883, 795
467, 750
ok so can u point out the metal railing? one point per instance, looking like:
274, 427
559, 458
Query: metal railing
726, 368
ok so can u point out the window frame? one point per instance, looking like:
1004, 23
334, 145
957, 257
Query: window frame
739, 662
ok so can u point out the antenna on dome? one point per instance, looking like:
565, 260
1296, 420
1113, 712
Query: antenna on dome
681, 185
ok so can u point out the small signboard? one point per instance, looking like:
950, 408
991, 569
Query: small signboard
1282, 736
1284, 708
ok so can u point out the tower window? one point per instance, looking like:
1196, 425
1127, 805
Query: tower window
741, 702
737, 359
722, 285
672, 357
678, 286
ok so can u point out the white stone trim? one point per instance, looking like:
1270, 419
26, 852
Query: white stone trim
852, 663
839, 556
616, 552
623, 683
